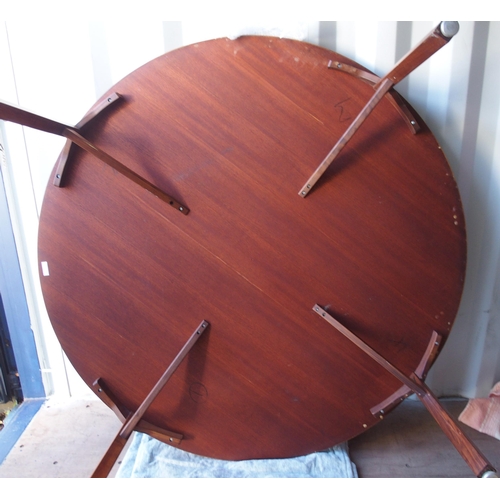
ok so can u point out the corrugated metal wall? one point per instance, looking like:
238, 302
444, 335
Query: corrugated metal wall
59, 71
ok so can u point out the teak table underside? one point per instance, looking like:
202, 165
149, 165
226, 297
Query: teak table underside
232, 129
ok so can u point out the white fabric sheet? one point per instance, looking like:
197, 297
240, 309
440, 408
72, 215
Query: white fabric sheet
148, 457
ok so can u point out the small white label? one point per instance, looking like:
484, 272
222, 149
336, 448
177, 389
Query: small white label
45, 268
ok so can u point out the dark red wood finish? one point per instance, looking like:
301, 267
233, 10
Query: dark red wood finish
478, 463
232, 129
107, 462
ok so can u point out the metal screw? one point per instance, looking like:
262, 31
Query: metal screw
339, 65
303, 192
181, 209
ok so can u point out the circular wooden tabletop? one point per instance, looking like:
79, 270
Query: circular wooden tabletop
232, 129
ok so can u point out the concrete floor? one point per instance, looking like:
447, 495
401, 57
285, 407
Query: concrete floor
67, 439
409, 443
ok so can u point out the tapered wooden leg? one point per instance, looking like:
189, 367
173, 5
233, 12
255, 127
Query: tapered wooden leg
472, 456
470, 453
21, 116
109, 459
436, 39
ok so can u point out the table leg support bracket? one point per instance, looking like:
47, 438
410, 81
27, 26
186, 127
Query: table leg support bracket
414, 383
133, 421
164, 435
426, 362
372, 79
63, 157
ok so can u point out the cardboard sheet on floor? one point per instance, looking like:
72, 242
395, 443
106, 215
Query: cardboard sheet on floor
147, 457
483, 414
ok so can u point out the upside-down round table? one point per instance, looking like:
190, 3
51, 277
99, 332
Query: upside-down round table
230, 130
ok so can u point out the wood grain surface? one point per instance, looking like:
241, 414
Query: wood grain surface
232, 129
